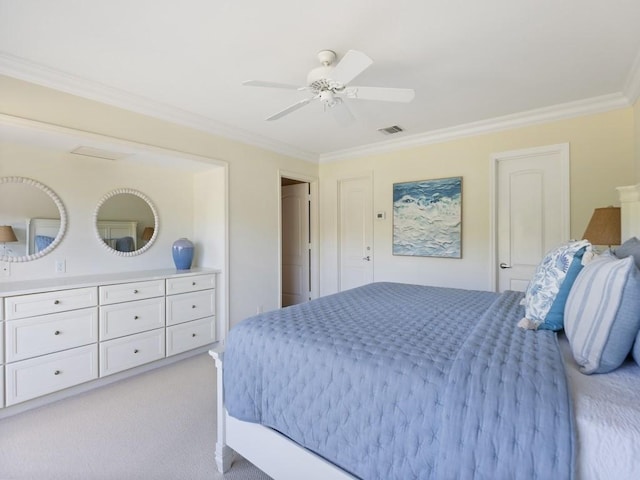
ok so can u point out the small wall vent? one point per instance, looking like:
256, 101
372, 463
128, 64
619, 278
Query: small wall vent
390, 130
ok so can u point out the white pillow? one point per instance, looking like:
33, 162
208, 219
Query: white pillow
602, 314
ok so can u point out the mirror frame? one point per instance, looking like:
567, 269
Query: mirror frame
155, 219
61, 210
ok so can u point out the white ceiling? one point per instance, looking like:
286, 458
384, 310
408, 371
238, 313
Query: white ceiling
473, 64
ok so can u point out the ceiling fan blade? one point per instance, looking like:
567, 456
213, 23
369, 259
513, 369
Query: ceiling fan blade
260, 83
342, 113
290, 108
381, 93
350, 66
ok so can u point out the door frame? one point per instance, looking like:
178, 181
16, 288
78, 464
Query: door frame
314, 237
561, 149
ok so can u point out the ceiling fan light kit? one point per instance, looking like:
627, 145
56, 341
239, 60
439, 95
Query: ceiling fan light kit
330, 81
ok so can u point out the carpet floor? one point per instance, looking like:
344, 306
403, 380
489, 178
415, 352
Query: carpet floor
159, 425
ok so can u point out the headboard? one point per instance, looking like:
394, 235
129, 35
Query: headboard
42, 227
113, 231
629, 211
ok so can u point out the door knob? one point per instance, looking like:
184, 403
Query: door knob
504, 265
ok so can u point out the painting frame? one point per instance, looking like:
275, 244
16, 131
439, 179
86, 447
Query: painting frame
427, 218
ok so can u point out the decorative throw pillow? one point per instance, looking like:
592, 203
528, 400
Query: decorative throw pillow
545, 284
629, 248
602, 314
555, 317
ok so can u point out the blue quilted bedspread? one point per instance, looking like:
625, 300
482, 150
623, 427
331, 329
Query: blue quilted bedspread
394, 381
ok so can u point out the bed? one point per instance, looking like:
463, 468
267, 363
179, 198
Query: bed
406, 381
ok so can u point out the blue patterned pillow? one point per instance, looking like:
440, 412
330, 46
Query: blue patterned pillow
545, 284
602, 315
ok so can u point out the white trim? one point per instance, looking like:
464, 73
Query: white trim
629, 211
563, 150
517, 120
48, 77
52, 78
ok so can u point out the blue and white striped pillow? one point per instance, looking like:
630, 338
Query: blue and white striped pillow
602, 314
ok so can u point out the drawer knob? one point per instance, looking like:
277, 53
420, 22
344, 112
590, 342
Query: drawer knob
136, 317
135, 291
56, 302
57, 332
135, 351
193, 306
57, 372
193, 283
193, 334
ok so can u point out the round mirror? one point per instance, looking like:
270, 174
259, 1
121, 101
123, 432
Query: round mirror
32, 219
126, 222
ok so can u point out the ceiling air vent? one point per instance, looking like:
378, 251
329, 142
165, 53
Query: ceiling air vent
390, 130
98, 153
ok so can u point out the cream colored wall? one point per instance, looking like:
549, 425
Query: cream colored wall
636, 128
253, 180
601, 159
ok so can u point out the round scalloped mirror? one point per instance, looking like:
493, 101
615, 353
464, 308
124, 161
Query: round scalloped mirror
126, 222
33, 219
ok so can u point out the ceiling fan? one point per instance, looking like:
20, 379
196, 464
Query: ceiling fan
329, 84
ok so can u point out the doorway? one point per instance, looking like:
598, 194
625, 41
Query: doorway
530, 211
298, 239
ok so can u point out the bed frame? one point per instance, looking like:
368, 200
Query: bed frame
281, 458
270, 451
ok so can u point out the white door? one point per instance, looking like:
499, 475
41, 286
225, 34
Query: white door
295, 244
532, 211
355, 225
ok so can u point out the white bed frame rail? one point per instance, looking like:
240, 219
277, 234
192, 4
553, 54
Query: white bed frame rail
270, 451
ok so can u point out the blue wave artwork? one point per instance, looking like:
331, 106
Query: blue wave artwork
427, 218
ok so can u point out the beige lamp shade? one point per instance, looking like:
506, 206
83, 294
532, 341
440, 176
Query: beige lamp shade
147, 233
604, 227
7, 234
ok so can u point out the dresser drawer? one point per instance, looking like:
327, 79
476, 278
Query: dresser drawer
30, 337
128, 352
190, 283
42, 375
22, 306
1, 386
126, 318
1, 343
190, 306
186, 336
125, 292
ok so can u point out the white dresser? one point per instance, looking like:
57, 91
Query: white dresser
62, 333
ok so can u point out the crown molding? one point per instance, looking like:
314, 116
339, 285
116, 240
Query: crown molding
35, 73
507, 122
22, 69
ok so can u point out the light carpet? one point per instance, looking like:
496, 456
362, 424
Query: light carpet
159, 425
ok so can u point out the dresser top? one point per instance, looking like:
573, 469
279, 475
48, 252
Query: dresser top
58, 283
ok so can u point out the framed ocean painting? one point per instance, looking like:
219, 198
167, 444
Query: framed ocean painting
427, 218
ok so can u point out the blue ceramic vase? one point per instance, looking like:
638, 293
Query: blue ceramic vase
182, 253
